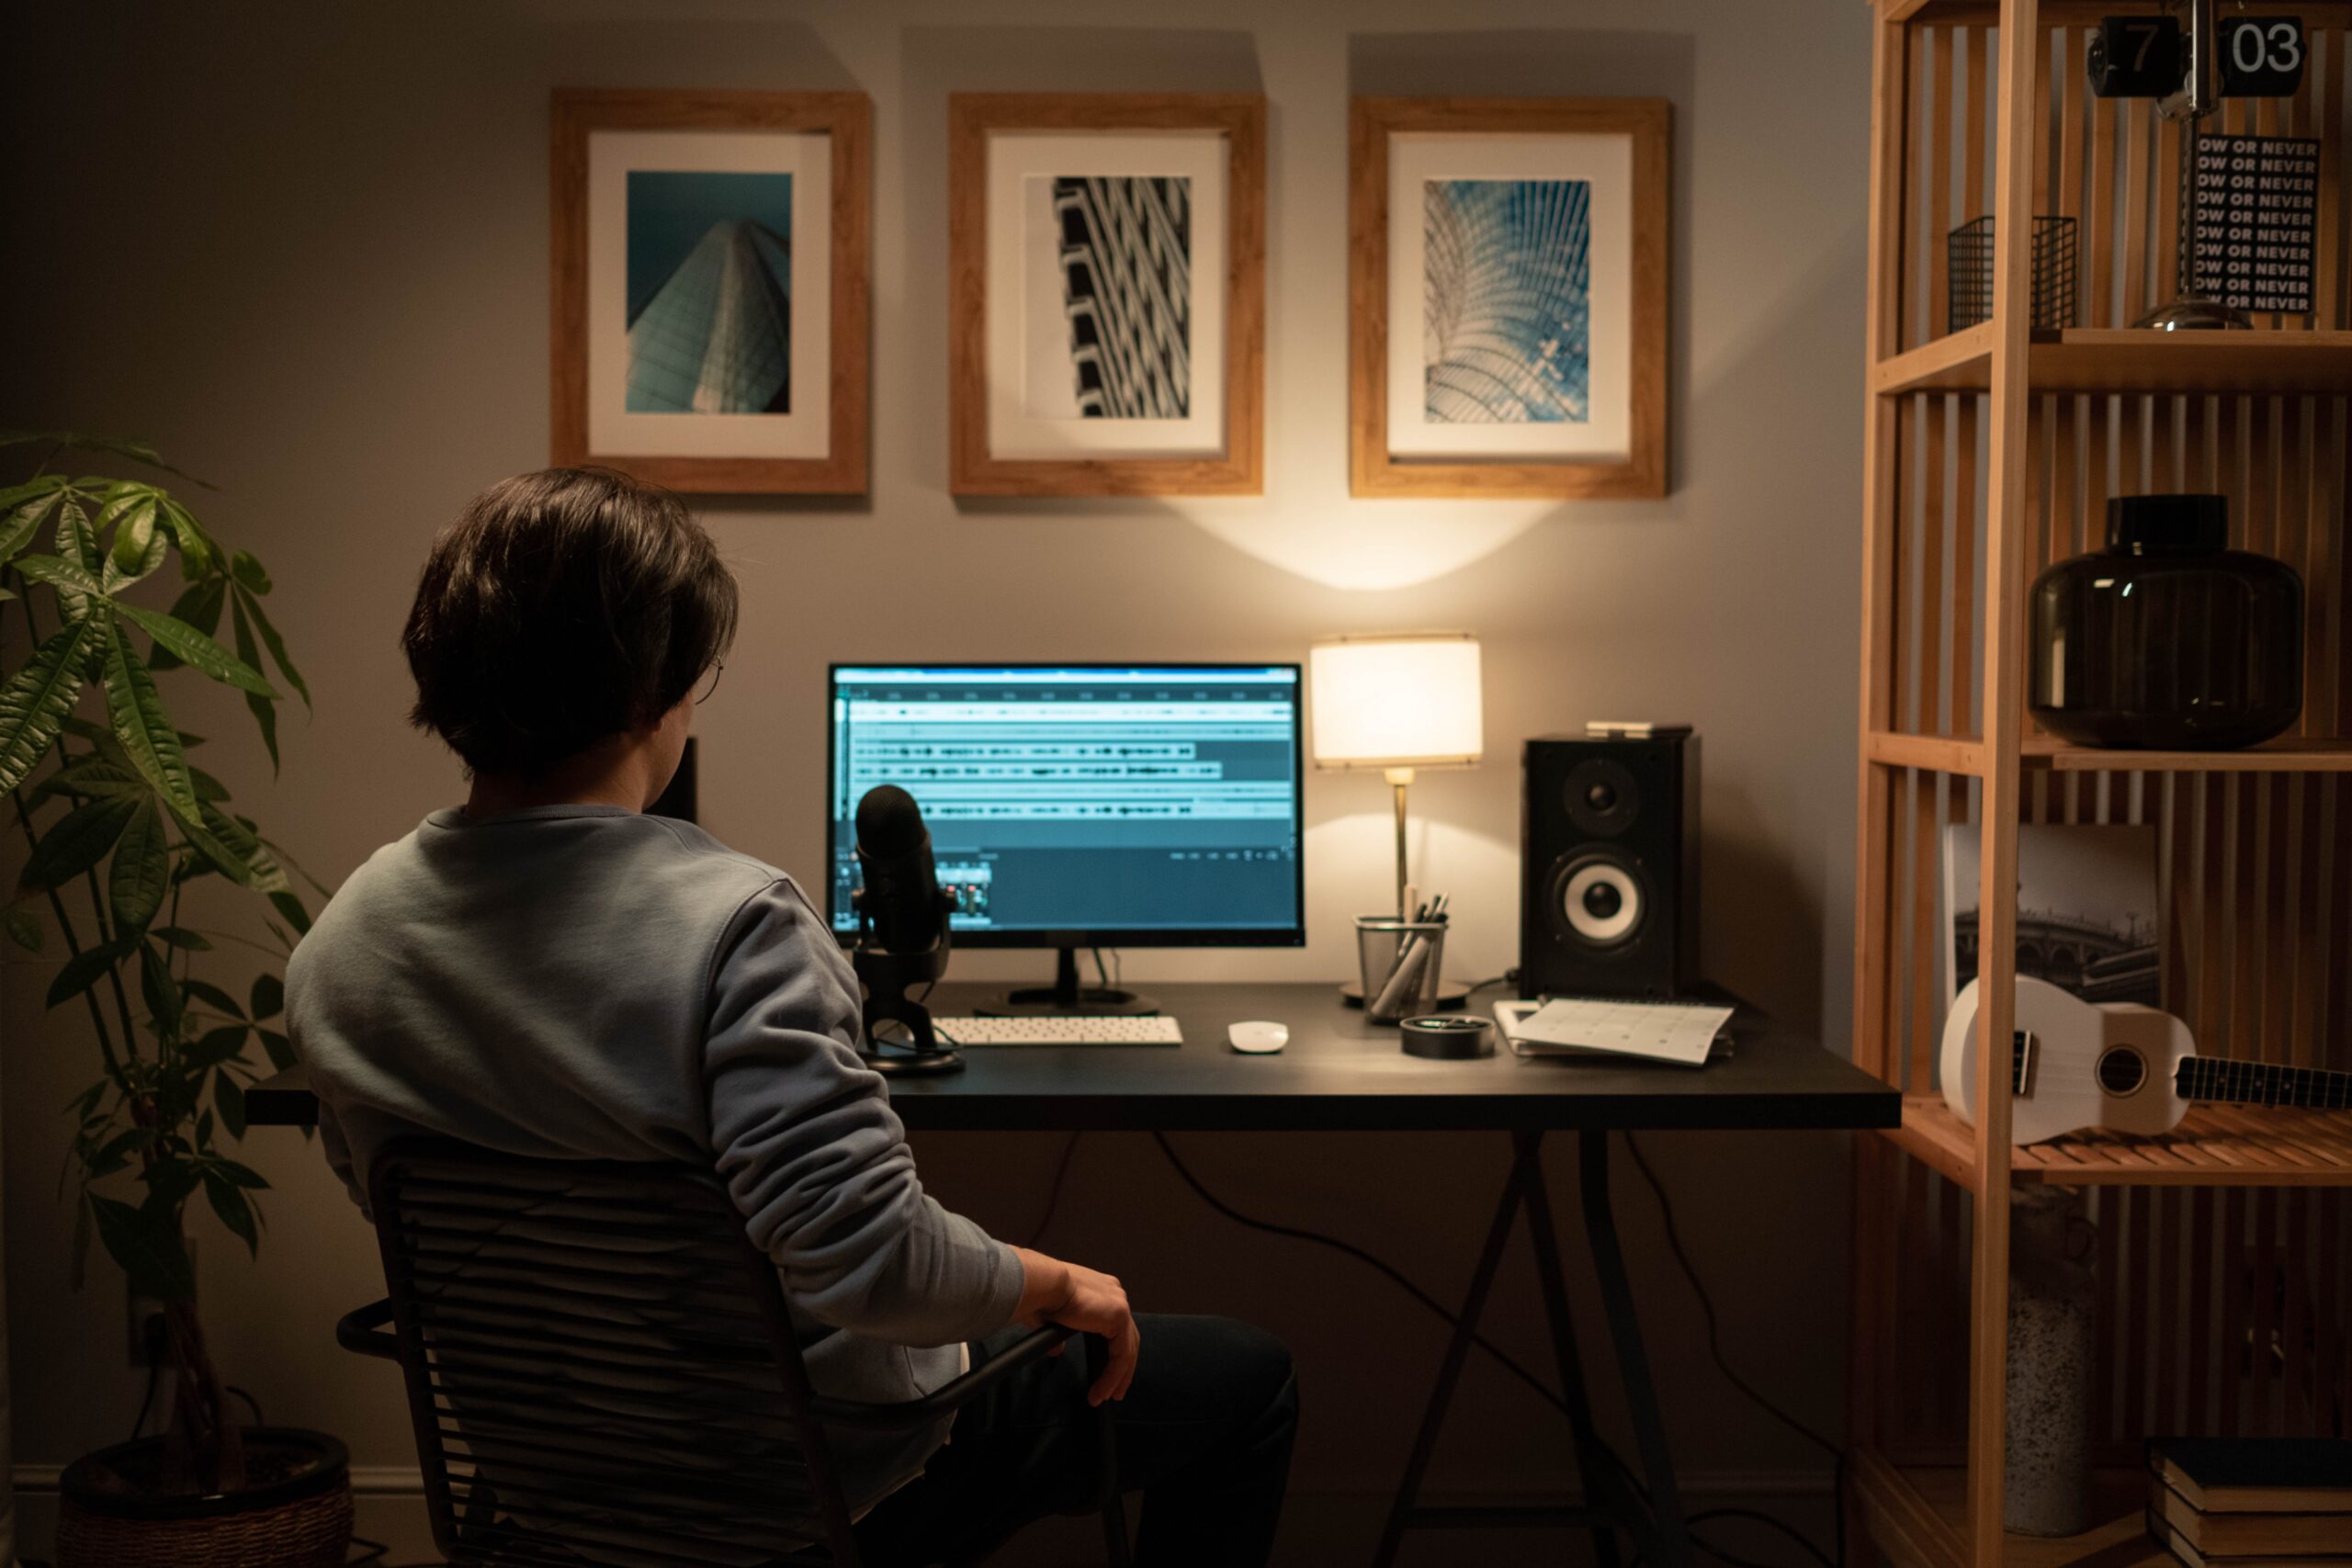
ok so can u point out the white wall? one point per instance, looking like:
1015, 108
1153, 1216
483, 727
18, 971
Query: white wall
303, 248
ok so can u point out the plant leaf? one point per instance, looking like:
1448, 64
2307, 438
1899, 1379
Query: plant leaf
289, 904
269, 995
244, 1175
276, 645
206, 787
199, 606
78, 545
27, 510
229, 1099
280, 1049
181, 937
84, 780
236, 1212
139, 546
288, 861
169, 1181
249, 573
142, 872
212, 996
83, 441
161, 993
37, 699
77, 841
199, 556
82, 971
264, 709
198, 651
215, 1046
142, 727
230, 845
23, 927
146, 1244
71, 580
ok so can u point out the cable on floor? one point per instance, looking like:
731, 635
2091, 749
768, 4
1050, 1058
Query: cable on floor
1715, 1352
1517, 1370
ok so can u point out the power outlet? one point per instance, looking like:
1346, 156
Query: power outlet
143, 1321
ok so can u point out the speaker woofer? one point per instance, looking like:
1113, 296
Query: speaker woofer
1599, 900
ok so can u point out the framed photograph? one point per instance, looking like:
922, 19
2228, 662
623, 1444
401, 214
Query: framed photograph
1507, 292
710, 287
1107, 293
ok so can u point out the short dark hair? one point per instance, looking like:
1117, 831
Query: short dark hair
561, 607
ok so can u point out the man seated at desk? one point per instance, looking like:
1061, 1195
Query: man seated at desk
548, 971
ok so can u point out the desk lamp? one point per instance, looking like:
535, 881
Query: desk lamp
1398, 703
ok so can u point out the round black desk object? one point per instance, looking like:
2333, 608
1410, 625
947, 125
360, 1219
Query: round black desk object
1445, 1038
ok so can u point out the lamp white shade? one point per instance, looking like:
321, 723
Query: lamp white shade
1409, 701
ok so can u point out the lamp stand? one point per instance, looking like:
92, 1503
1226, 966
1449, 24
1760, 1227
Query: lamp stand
1398, 778
1450, 993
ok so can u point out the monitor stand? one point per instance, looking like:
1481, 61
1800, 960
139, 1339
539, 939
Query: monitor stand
1065, 996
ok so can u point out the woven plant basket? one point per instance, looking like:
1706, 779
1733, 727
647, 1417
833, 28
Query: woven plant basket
302, 1520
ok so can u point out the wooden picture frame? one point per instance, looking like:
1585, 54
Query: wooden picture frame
1626, 435
817, 448
999, 445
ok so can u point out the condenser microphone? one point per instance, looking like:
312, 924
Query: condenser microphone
903, 935
900, 895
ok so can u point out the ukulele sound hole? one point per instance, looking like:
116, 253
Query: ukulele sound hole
2121, 1072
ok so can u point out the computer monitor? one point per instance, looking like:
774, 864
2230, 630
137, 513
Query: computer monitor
1077, 806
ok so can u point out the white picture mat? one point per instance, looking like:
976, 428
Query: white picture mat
1606, 163
1020, 293
808, 429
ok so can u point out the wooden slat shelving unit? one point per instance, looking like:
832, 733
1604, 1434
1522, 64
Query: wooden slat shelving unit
2224, 1251
2119, 359
2216, 1146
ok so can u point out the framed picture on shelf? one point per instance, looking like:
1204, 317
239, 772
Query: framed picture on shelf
1507, 297
1107, 289
710, 287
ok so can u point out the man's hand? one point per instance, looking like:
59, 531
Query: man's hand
1055, 1291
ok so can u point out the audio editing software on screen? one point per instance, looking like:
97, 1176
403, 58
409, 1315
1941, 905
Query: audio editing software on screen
1083, 800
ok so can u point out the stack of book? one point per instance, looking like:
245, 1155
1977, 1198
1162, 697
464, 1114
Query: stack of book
2253, 1501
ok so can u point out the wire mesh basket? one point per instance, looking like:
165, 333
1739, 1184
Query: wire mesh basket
1970, 248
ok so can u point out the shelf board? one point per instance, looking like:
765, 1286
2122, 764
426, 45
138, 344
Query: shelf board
2294, 754
1965, 754
1916, 1514
1940, 753
2124, 359
2217, 1146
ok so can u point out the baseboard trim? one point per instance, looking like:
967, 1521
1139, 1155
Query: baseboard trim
367, 1479
407, 1480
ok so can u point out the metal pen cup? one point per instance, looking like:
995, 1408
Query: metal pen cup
1402, 962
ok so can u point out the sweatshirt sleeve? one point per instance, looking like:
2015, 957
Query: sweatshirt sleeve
814, 1157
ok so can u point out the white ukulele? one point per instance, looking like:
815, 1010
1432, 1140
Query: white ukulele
2115, 1065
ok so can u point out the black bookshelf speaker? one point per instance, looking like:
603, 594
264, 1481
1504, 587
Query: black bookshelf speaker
1608, 845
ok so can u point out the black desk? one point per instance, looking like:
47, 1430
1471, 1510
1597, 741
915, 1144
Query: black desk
1341, 1073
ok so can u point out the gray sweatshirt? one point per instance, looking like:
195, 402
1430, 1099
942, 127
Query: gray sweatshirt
585, 981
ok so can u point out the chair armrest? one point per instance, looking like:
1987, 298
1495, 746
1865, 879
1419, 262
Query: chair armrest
363, 1332
946, 1399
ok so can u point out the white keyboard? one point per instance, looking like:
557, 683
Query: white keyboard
1147, 1028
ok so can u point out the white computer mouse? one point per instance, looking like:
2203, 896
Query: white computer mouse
1259, 1037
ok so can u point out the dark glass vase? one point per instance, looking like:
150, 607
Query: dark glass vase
2168, 638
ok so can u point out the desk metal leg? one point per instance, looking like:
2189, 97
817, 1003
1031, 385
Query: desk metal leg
1602, 1484
1671, 1548
1457, 1350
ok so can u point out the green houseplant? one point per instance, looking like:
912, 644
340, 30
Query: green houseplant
122, 831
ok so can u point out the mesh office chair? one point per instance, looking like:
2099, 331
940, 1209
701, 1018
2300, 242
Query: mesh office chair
601, 1372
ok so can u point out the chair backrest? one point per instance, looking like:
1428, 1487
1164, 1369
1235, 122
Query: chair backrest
599, 1365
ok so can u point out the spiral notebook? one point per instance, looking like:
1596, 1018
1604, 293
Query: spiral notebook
1679, 1032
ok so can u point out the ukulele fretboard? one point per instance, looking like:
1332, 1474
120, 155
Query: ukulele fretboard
2263, 1083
